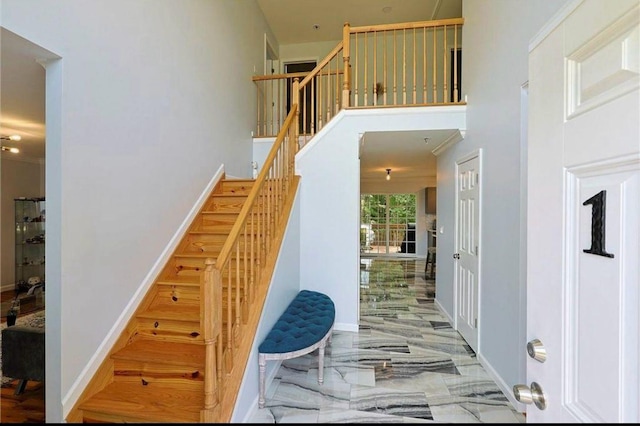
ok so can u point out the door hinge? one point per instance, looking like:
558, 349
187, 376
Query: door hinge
477, 251
475, 323
477, 178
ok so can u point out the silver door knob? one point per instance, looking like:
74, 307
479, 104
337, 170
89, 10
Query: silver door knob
529, 395
536, 350
456, 255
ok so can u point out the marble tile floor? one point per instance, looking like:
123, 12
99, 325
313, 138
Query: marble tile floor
405, 365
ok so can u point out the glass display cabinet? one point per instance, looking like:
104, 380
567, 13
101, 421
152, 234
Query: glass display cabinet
30, 243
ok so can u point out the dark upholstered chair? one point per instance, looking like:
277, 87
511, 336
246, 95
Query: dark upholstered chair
23, 354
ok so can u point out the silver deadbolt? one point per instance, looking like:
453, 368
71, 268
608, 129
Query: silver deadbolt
536, 350
527, 395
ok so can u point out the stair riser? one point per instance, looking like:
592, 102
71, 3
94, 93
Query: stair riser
211, 244
146, 373
225, 204
236, 188
191, 265
170, 330
176, 296
194, 276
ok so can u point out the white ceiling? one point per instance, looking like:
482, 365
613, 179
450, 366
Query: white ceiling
22, 79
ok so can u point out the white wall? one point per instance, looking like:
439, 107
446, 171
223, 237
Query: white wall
495, 56
330, 198
284, 287
18, 179
305, 51
149, 99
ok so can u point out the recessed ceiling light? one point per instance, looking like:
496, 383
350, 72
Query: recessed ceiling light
386, 9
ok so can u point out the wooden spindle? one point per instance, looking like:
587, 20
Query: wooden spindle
375, 68
424, 65
355, 81
433, 59
295, 100
384, 70
414, 66
455, 64
445, 98
366, 61
313, 106
404, 66
395, 70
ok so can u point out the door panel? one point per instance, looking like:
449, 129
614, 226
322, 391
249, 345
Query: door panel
467, 262
584, 216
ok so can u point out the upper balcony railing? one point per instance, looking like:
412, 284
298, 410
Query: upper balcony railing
393, 65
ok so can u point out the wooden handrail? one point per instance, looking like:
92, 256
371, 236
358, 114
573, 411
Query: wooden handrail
407, 25
280, 76
225, 252
321, 65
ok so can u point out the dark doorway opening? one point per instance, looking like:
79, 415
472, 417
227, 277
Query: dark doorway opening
307, 99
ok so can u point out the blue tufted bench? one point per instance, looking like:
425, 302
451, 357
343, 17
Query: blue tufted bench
305, 326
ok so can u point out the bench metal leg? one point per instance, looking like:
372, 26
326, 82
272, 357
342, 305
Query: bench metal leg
321, 362
263, 367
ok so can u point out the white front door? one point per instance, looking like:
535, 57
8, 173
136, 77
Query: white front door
583, 285
467, 249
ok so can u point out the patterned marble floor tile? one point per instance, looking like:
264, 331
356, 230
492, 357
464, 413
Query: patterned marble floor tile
382, 344
341, 339
390, 401
427, 382
354, 416
406, 364
353, 375
457, 410
474, 387
304, 393
286, 414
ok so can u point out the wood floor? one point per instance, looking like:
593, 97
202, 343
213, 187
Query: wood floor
28, 407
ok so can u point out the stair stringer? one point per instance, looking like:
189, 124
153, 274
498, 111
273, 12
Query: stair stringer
99, 371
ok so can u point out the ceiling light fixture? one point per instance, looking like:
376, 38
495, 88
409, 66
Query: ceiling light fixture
388, 174
10, 149
14, 138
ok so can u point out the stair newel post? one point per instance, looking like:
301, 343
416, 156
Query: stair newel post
346, 36
211, 324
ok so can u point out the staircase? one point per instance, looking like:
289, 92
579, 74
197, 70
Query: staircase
155, 373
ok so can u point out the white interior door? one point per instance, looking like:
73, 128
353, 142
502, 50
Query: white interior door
584, 218
467, 249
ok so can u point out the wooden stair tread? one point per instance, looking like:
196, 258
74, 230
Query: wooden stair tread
153, 403
162, 352
181, 280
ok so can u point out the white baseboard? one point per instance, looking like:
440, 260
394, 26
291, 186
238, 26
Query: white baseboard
504, 387
267, 383
69, 400
341, 326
